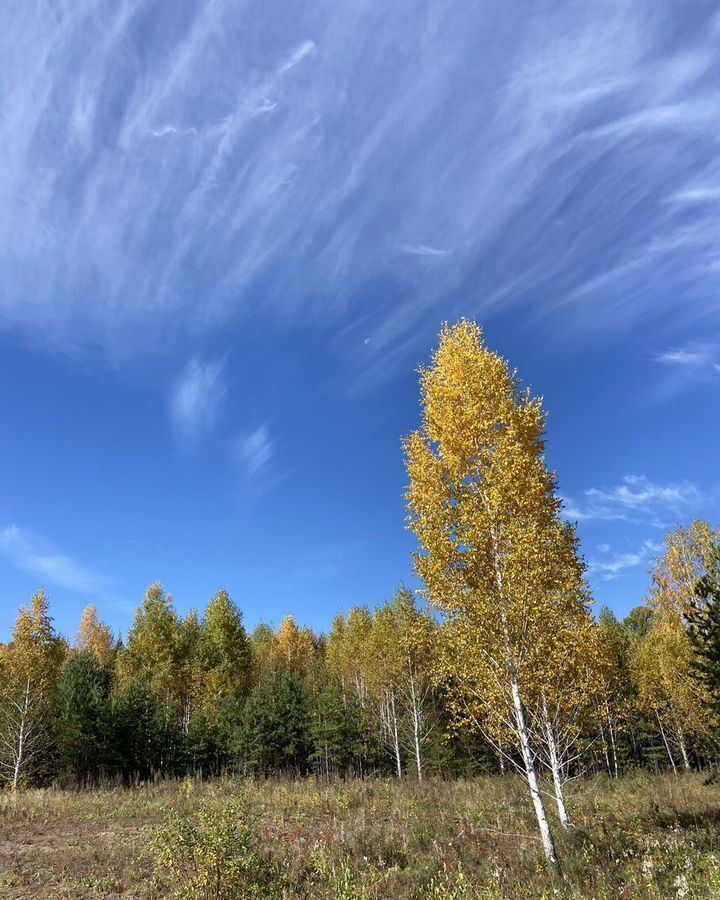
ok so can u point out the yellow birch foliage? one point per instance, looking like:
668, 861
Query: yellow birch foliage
662, 672
36, 652
95, 636
674, 574
349, 652
495, 556
294, 647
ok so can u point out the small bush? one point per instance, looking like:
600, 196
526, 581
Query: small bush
211, 857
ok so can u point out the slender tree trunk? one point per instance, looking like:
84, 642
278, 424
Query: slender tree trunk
522, 731
605, 750
530, 772
394, 732
416, 725
22, 733
613, 743
665, 741
683, 750
556, 770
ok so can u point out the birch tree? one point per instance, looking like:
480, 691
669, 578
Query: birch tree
614, 697
417, 641
293, 647
383, 676
30, 667
663, 664
158, 652
567, 688
223, 654
687, 555
95, 637
484, 508
667, 689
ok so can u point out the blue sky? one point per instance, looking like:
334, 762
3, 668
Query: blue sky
229, 232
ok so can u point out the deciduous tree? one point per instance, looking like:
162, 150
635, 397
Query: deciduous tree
95, 637
29, 671
484, 507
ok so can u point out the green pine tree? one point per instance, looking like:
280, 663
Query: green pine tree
85, 717
704, 628
275, 726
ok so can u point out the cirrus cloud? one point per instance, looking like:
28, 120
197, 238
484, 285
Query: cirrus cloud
636, 499
166, 173
35, 555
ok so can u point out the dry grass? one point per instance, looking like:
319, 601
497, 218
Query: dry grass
641, 836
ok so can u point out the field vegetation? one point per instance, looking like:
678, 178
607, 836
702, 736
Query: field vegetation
637, 836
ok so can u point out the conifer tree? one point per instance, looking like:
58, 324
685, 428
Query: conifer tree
275, 725
334, 732
703, 619
85, 716
139, 731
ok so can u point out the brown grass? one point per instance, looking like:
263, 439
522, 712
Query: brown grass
640, 836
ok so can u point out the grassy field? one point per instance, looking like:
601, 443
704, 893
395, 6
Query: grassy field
640, 836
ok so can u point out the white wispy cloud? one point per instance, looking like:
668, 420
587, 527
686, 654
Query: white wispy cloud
196, 398
171, 129
611, 563
688, 365
424, 250
150, 150
254, 451
636, 499
33, 554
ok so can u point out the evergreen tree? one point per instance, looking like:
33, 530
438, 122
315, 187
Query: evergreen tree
704, 628
138, 730
275, 726
229, 732
334, 733
85, 716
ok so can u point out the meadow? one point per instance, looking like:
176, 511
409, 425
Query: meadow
641, 835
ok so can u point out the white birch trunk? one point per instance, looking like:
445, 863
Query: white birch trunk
665, 741
22, 733
605, 749
522, 731
683, 750
613, 742
416, 725
555, 769
395, 734
530, 772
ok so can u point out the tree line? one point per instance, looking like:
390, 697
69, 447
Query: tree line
498, 665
